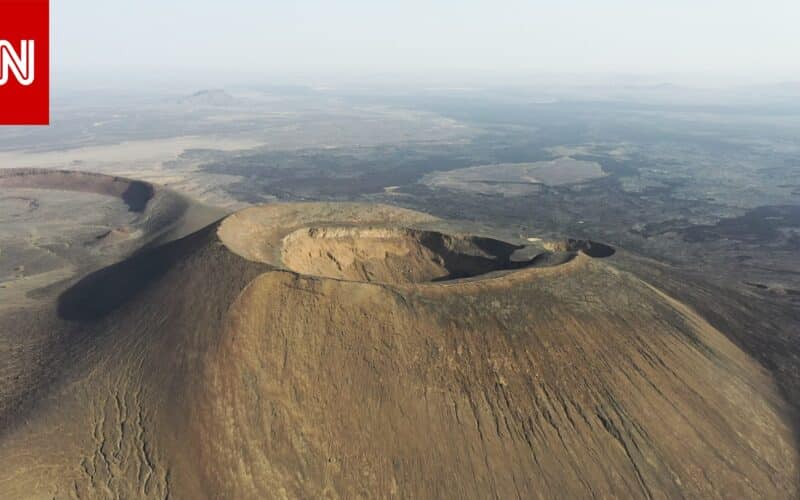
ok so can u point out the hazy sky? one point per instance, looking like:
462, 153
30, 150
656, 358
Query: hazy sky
749, 39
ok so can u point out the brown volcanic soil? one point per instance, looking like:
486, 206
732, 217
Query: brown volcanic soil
325, 350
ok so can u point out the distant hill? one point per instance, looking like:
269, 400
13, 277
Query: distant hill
210, 97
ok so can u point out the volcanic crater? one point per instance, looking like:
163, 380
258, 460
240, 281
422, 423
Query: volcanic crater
345, 248
344, 350
394, 255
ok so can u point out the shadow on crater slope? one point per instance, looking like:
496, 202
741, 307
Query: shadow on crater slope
103, 291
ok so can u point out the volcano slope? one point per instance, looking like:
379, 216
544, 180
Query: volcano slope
344, 350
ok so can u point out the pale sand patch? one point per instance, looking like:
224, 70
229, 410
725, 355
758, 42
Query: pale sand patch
151, 161
129, 152
516, 179
15, 291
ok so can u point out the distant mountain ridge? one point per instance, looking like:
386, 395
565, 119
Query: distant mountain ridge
210, 97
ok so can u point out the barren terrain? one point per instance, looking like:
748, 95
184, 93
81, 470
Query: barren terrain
341, 350
291, 292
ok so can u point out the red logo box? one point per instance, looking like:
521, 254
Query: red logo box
24, 62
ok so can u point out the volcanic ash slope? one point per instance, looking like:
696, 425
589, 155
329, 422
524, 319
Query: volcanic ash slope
341, 350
